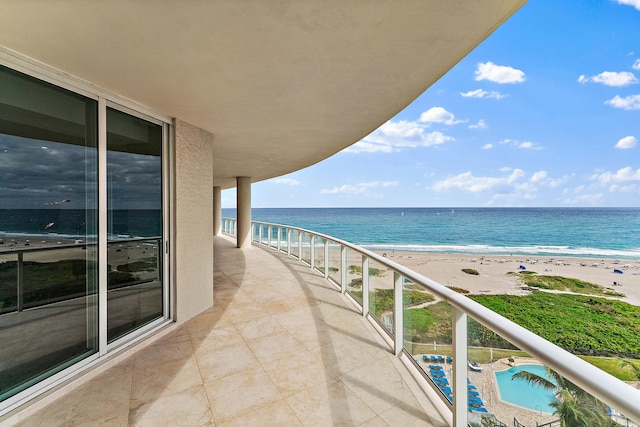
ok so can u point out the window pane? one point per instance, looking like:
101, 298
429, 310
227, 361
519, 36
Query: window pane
48, 274
134, 202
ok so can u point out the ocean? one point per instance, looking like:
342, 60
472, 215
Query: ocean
612, 233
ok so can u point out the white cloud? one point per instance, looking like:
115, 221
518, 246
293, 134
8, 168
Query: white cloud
627, 142
499, 73
395, 136
439, 115
479, 93
363, 146
539, 177
360, 188
611, 78
487, 146
287, 181
634, 3
636, 65
542, 178
480, 125
633, 188
623, 175
525, 145
591, 199
478, 184
631, 102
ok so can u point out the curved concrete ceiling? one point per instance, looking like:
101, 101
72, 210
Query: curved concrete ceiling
280, 84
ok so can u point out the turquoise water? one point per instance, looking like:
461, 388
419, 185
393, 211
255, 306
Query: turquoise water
612, 233
522, 393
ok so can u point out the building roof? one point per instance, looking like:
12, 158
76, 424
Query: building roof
280, 84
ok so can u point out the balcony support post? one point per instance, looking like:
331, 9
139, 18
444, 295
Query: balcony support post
365, 286
459, 320
243, 204
269, 236
397, 314
288, 241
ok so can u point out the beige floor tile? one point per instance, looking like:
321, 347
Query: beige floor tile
381, 386
258, 328
102, 401
294, 374
329, 404
238, 394
215, 339
186, 408
274, 347
274, 414
153, 382
402, 416
375, 422
226, 361
164, 351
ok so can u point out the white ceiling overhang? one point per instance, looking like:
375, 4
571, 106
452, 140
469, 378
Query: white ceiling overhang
280, 84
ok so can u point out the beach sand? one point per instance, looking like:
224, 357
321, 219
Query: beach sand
446, 269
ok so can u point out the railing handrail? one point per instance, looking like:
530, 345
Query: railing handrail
602, 385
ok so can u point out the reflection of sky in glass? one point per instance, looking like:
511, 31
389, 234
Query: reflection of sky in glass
134, 181
34, 174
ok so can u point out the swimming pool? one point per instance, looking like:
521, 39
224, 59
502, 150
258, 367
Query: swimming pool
521, 393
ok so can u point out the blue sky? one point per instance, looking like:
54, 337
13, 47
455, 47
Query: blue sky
545, 112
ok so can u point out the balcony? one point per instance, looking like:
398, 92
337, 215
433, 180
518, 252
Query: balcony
288, 342
280, 344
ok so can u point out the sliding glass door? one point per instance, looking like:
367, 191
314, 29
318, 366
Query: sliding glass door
48, 230
66, 187
134, 231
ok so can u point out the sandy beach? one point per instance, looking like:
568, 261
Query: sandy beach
446, 269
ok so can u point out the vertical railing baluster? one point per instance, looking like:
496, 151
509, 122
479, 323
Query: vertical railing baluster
398, 306
278, 240
289, 241
20, 283
459, 320
365, 286
343, 268
299, 246
312, 251
326, 258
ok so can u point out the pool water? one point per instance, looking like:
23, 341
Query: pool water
521, 393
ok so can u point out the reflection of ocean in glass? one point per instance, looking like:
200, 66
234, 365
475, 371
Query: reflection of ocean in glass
71, 223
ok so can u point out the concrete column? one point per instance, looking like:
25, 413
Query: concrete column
217, 211
243, 206
193, 205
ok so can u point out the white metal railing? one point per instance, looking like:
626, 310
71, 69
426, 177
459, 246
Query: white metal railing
600, 384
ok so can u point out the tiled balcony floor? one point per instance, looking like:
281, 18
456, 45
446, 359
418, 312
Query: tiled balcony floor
280, 347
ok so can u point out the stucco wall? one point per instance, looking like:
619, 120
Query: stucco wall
193, 220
